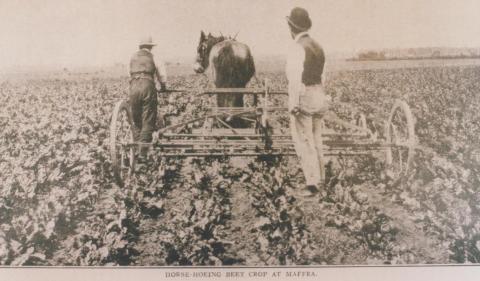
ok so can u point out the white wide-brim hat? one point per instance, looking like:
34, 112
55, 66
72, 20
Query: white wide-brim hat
147, 41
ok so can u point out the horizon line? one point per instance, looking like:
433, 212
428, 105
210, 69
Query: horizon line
342, 55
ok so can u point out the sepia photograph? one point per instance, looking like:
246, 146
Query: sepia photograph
239, 134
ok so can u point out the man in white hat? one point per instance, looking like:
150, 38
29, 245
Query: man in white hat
306, 98
144, 74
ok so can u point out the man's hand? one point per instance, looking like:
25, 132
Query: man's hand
295, 110
163, 87
321, 111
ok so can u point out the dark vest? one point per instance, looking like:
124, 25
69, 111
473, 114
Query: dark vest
142, 63
314, 61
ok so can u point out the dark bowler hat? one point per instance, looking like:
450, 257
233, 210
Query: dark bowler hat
299, 19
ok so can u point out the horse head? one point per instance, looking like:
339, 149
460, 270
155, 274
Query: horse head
203, 51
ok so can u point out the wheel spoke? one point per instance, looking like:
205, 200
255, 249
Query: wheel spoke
400, 161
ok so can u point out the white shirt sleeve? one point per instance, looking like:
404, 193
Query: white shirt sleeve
325, 74
294, 70
161, 71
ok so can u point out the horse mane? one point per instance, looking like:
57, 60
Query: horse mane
223, 37
215, 40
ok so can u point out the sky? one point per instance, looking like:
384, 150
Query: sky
102, 32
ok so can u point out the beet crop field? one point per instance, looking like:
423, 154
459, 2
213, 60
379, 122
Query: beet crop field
59, 204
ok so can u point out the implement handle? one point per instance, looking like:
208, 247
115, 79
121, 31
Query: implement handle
172, 91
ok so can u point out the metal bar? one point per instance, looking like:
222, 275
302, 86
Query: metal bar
402, 143
238, 113
203, 154
246, 145
329, 153
248, 119
334, 118
219, 141
234, 139
253, 91
325, 142
344, 135
274, 108
167, 91
180, 150
226, 125
238, 142
218, 132
211, 144
161, 131
233, 109
211, 135
250, 154
257, 143
253, 109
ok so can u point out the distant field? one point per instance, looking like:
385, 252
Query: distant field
278, 65
263, 65
358, 65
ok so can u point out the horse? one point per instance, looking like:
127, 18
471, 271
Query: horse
232, 62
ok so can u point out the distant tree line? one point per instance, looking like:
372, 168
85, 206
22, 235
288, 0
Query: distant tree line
372, 55
411, 54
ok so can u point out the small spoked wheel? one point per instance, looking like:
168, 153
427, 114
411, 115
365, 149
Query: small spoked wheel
122, 152
400, 140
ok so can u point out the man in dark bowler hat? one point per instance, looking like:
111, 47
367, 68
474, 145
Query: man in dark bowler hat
306, 98
144, 74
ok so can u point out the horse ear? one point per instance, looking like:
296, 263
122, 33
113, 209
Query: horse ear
202, 35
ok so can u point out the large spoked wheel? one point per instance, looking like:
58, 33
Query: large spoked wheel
400, 138
121, 134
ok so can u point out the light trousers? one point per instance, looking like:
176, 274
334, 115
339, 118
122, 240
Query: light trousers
307, 134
